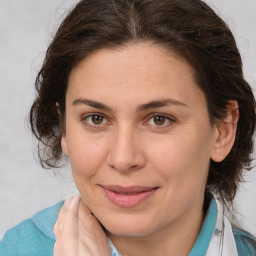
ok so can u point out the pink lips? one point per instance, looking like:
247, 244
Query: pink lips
128, 196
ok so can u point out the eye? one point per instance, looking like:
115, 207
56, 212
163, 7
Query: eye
94, 120
160, 120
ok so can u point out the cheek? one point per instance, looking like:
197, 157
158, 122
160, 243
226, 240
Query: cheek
86, 157
183, 159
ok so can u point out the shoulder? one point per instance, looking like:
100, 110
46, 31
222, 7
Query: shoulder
33, 236
245, 242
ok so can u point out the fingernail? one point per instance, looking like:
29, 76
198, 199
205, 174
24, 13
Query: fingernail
72, 201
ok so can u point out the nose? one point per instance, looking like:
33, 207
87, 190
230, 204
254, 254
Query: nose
126, 152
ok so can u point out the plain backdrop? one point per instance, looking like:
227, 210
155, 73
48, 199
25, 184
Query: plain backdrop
26, 28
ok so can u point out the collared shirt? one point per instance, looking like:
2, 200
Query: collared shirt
35, 237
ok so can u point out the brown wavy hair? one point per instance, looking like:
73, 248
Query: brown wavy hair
191, 29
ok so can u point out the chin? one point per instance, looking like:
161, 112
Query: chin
128, 232
124, 226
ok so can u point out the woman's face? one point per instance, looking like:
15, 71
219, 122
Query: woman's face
138, 137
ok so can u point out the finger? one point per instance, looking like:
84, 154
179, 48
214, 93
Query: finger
57, 232
70, 216
92, 238
66, 228
70, 204
57, 228
57, 249
67, 215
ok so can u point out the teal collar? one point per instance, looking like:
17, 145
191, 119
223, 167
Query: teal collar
203, 240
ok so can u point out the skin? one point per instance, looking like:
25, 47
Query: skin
127, 147
77, 230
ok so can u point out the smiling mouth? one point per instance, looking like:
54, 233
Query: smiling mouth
127, 197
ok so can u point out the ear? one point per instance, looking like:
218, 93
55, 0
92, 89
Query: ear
64, 145
63, 136
226, 133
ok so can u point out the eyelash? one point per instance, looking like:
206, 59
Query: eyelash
167, 118
91, 125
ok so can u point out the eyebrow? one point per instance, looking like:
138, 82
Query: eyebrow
160, 103
140, 108
91, 103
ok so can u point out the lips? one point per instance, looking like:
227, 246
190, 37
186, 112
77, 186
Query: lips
127, 197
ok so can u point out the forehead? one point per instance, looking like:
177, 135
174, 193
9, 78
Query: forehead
142, 68
137, 56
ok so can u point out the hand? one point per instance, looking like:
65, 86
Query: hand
78, 233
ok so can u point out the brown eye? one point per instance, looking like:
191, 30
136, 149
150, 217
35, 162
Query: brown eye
97, 119
159, 120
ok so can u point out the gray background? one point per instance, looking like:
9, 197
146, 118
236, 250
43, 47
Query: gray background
26, 28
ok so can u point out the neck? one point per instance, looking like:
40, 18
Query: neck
176, 238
